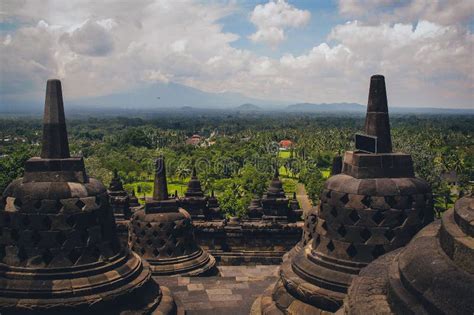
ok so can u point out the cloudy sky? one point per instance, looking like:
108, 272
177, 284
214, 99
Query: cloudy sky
300, 51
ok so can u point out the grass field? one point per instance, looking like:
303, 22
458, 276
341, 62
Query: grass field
177, 186
147, 187
326, 173
283, 172
284, 154
289, 185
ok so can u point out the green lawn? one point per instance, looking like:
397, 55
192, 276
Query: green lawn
284, 154
283, 172
147, 187
326, 173
177, 186
289, 185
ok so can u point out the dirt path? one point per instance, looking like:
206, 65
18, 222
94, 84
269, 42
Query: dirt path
302, 198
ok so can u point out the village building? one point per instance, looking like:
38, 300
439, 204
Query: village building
286, 144
194, 140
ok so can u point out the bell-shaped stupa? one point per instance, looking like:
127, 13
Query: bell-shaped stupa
433, 274
213, 210
163, 234
119, 198
194, 200
59, 250
133, 203
375, 205
255, 210
275, 204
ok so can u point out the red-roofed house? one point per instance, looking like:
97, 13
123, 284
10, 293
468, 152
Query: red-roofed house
286, 144
194, 140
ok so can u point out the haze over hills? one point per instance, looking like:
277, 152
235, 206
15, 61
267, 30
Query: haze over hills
248, 107
161, 97
149, 97
310, 107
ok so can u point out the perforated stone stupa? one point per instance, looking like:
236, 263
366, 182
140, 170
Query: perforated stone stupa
163, 234
275, 204
59, 251
374, 206
433, 274
198, 205
119, 199
133, 201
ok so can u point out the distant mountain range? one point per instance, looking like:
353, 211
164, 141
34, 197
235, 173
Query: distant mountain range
159, 97
172, 95
248, 108
350, 108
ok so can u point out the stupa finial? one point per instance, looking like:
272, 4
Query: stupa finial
160, 189
55, 142
377, 122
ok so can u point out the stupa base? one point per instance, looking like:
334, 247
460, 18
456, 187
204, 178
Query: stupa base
294, 295
200, 263
128, 289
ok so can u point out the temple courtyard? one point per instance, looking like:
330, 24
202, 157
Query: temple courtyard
232, 292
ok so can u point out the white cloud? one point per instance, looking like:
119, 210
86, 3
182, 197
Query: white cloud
98, 49
179, 46
92, 38
154, 76
107, 24
444, 12
7, 40
273, 18
420, 62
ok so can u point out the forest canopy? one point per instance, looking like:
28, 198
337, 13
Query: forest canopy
236, 154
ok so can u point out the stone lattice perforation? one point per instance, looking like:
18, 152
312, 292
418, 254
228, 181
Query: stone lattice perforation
155, 240
309, 227
69, 205
64, 239
120, 205
363, 227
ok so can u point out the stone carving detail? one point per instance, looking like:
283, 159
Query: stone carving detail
310, 225
309, 230
444, 251
157, 239
362, 227
81, 231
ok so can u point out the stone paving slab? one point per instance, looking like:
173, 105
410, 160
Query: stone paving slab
232, 292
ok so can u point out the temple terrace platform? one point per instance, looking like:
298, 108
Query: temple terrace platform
233, 292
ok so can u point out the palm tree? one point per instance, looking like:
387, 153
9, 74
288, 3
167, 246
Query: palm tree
183, 172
